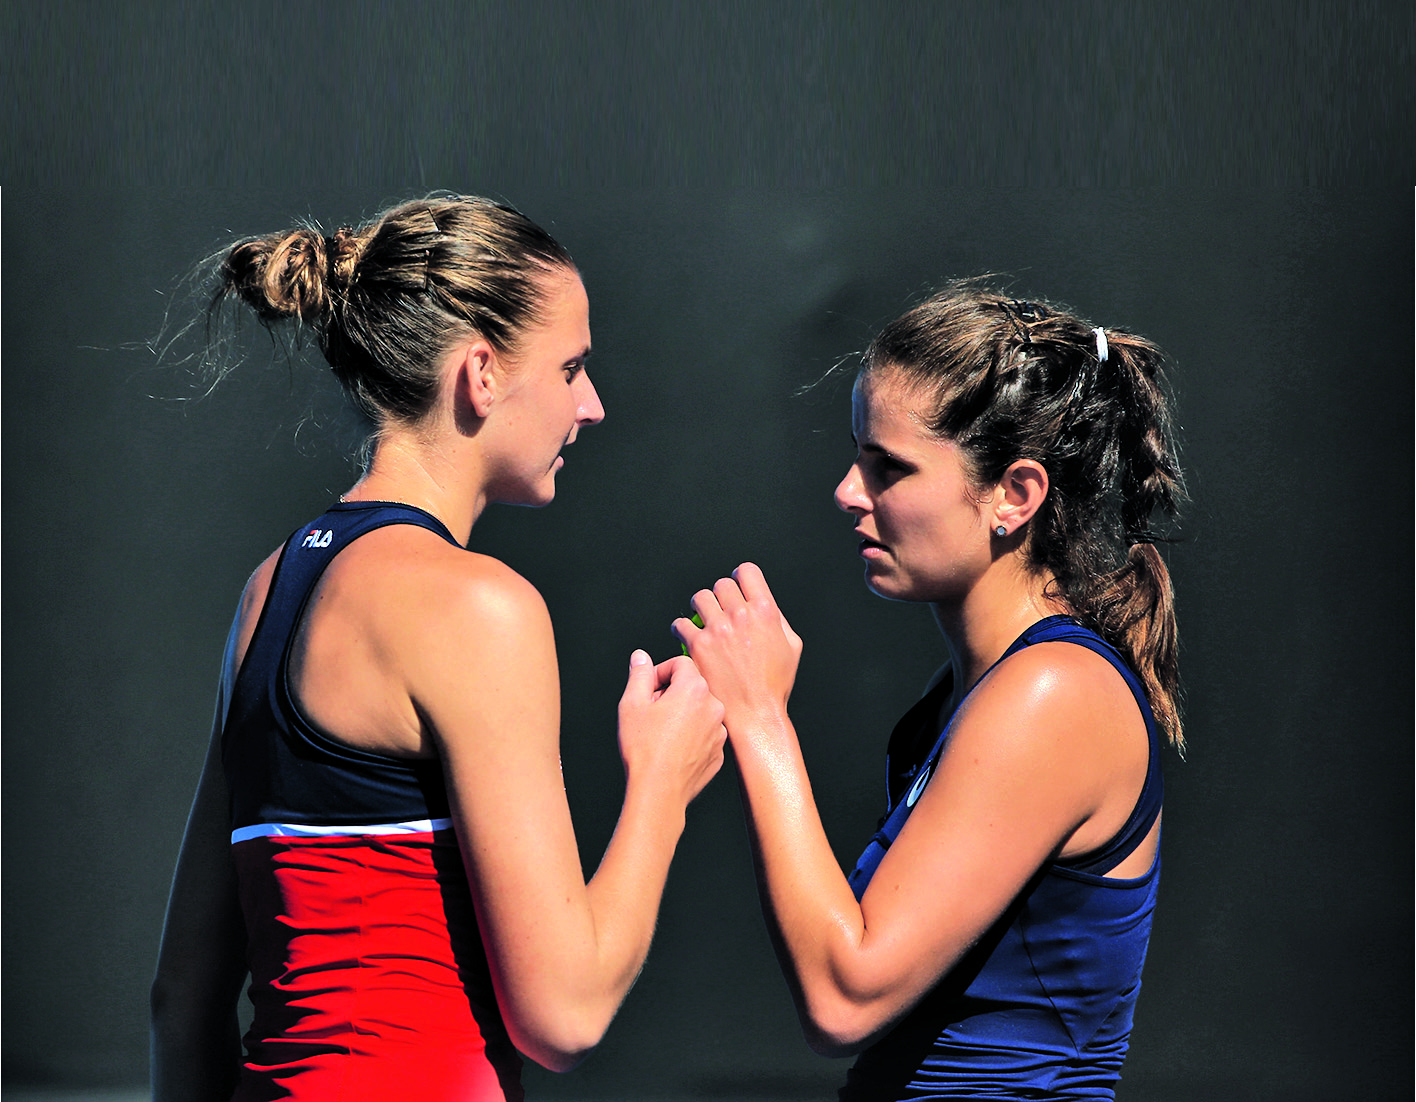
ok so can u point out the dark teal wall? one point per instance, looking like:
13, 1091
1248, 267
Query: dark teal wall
1281, 956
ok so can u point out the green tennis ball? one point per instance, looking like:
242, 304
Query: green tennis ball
697, 621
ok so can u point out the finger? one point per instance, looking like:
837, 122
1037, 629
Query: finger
705, 603
753, 583
642, 676
677, 669
685, 629
729, 594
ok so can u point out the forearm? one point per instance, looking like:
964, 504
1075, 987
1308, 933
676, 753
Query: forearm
195, 1044
817, 925
564, 953
195, 1051
626, 890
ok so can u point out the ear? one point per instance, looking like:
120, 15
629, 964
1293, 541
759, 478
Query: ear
1020, 494
475, 377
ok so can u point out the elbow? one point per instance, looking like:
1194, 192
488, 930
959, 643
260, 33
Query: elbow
558, 1042
158, 999
162, 997
840, 1026
553, 1055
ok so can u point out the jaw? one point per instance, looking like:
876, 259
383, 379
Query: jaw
883, 582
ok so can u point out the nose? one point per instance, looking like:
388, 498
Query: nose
850, 493
588, 410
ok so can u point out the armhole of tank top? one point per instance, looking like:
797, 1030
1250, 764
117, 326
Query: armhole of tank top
1132, 832
308, 728
238, 674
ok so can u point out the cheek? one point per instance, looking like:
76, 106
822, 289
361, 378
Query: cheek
932, 530
907, 514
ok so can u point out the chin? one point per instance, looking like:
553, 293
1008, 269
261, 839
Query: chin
542, 495
893, 588
530, 497
883, 586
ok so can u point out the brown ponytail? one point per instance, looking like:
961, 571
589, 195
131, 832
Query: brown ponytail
1013, 379
1135, 607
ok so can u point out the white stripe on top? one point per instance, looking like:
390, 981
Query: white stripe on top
304, 830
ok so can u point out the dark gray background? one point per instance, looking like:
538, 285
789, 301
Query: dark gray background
750, 197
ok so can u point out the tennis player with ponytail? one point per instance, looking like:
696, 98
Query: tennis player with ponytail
990, 940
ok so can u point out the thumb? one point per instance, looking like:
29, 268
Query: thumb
641, 682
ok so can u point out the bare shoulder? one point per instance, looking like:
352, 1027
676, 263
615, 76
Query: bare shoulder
1053, 698
253, 599
419, 571
433, 612
258, 585
465, 638
1055, 673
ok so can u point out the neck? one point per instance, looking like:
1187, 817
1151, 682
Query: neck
998, 608
408, 469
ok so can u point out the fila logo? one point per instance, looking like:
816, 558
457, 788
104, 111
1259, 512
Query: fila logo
318, 539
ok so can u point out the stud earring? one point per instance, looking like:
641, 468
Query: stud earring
1001, 530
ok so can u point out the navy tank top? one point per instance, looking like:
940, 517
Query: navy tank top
368, 977
302, 777
1042, 1006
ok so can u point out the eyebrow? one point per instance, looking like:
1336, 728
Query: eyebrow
873, 448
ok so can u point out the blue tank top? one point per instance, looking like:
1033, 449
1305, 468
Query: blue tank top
1042, 1006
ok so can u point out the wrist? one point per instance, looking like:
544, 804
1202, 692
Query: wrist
761, 722
655, 798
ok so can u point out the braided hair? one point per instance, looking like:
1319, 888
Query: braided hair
1008, 380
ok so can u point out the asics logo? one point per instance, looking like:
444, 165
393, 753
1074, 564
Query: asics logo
917, 787
316, 538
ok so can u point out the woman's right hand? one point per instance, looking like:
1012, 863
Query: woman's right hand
745, 648
670, 726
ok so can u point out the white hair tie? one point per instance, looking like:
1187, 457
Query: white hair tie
1100, 344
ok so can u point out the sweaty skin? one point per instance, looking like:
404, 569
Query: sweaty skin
1047, 757
413, 647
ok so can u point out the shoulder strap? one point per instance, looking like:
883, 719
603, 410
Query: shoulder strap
303, 560
309, 551
1148, 803
913, 736
279, 769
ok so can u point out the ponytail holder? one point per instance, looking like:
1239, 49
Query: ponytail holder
1100, 344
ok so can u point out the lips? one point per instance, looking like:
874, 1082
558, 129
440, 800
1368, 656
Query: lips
868, 547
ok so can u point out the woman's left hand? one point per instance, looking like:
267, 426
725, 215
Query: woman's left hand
746, 650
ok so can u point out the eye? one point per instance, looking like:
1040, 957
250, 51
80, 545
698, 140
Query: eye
573, 369
883, 468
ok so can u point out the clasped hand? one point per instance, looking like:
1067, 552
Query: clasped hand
669, 723
745, 650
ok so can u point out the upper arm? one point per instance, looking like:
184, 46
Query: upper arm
1032, 759
203, 937
253, 599
486, 684
201, 962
